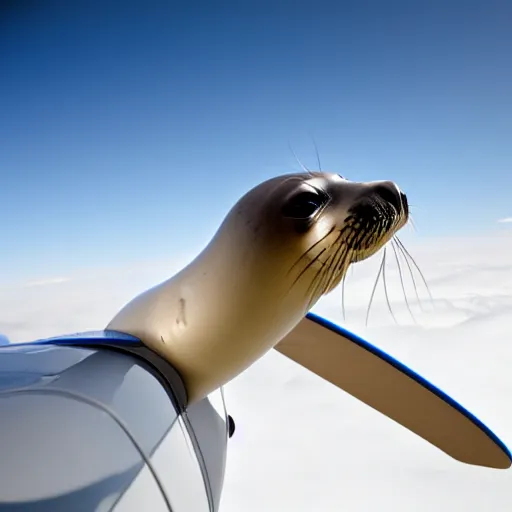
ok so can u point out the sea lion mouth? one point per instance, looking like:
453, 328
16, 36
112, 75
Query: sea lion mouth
373, 222
370, 223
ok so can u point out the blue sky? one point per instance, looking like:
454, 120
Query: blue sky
128, 129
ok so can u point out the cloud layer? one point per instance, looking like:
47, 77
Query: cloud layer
302, 444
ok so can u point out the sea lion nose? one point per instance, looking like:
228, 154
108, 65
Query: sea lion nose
390, 193
405, 203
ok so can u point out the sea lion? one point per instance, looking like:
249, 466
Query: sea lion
283, 245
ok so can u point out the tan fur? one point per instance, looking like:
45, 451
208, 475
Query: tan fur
253, 282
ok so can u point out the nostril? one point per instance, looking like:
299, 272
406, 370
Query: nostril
390, 193
405, 203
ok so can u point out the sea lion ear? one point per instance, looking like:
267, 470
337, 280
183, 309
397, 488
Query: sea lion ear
380, 381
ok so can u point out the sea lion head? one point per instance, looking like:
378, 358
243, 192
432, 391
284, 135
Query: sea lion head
313, 225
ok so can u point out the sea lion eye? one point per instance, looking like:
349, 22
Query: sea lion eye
304, 205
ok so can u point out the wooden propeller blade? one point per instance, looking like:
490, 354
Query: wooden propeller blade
380, 381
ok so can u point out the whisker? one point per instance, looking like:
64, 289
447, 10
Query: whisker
317, 154
336, 265
417, 268
304, 168
401, 251
321, 273
328, 272
304, 255
402, 279
315, 259
349, 255
338, 262
412, 224
385, 285
373, 291
317, 284
343, 298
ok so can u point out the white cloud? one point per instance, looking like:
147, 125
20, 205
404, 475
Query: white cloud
83, 301
506, 220
48, 281
302, 444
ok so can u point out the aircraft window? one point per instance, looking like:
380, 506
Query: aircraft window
62, 435
62, 454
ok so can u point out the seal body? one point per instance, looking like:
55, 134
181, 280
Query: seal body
282, 246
